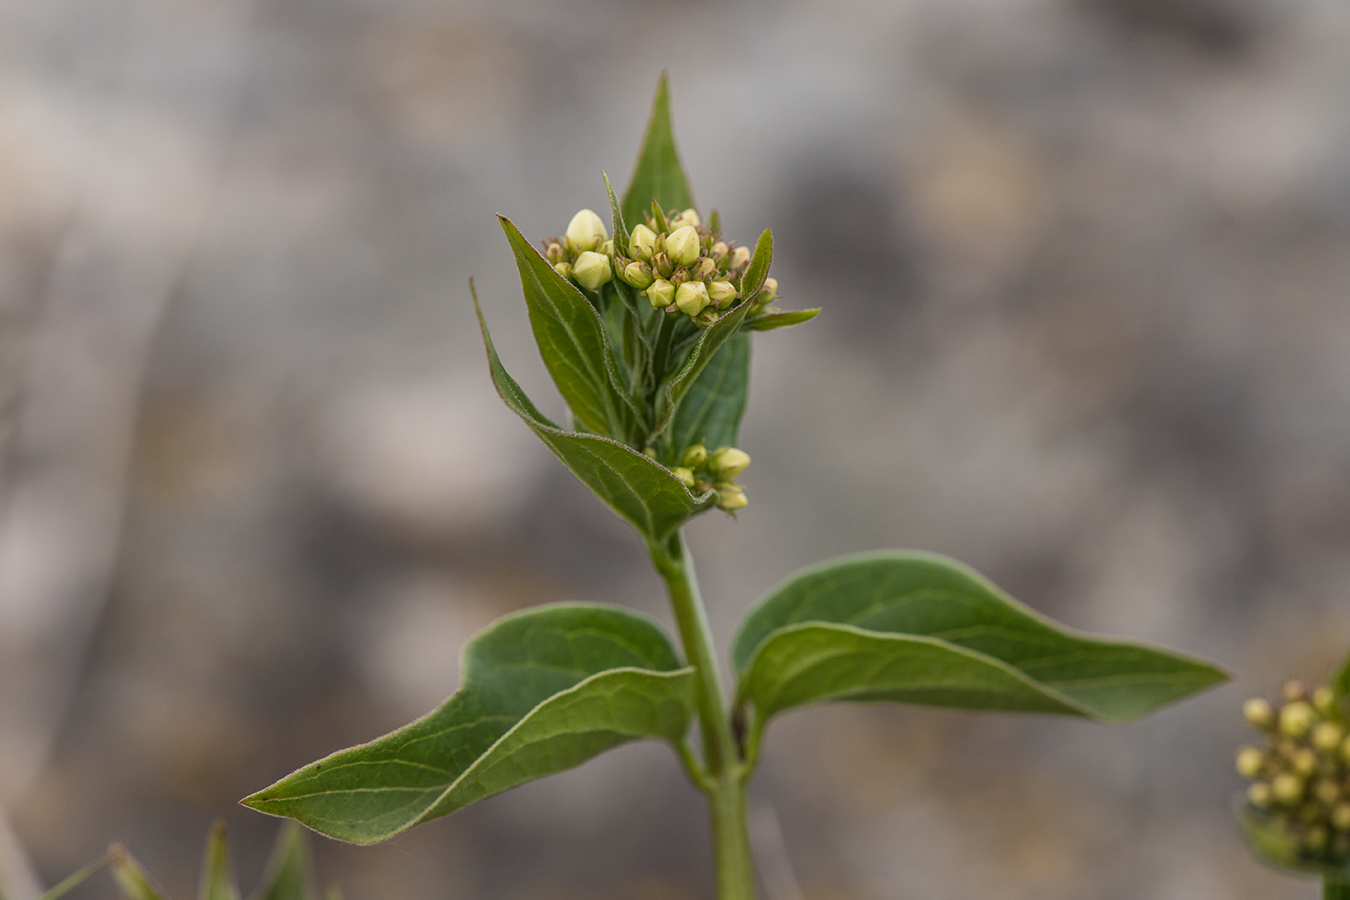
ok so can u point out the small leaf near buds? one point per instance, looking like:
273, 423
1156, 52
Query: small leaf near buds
682, 245
592, 270
728, 462
692, 297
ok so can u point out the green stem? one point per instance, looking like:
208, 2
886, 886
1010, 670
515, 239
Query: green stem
725, 776
1335, 888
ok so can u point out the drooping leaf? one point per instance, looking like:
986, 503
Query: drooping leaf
919, 628
542, 691
711, 411
771, 321
217, 881
571, 339
712, 339
758, 270
639, 489
1341, 685
658, 176
290, 870
133, 882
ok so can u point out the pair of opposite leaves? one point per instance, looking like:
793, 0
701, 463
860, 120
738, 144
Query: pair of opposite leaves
547, 689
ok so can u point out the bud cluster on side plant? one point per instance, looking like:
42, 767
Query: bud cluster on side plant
1301, 776
702, 471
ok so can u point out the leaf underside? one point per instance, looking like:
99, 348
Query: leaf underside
659, 175
543, 691
923, 629
711, 412
638, 488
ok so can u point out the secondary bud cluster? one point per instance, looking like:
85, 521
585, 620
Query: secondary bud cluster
702, 471
683, 266
583, 255
1301, 777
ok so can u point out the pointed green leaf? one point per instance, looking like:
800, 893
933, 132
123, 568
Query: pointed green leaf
711, 411
542, 691
571, 338
217, 881
290, 870
639, 489
71, 882
919, 628
658, 176
133, 882
712, 339
618, 219
1342, 683
781, 320
758, 270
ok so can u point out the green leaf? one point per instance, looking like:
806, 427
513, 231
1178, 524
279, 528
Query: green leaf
71, 882
658, 176
919, 628
781, 320
711, 411
1272, 843
571, 339
1342, 683
543, 691
217, 881
619, 222
712, 339
290, 871
639, 489
133, 882
758, 270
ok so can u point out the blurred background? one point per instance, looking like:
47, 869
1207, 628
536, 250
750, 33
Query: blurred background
1085, 267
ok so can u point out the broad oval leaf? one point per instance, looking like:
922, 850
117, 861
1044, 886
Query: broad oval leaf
542, 691
919, 628
711, 412
658, 176
639, 489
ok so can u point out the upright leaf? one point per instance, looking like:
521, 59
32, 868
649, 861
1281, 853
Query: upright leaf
217, 881
923, 629
658, 176
290, 871
542, 691
570, 336
717, 334
133, 882
758, 270
639, 489
711, 411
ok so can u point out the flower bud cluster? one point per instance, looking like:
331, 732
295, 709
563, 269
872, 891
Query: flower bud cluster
1301, 777
583, 255
702, 471
682, 266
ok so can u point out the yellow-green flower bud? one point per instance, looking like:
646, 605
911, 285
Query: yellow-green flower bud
1324, 701
739, 257
642, 244
1249, 762
586, 231
1327, 791
592, 270
692, 297
695, 456
662, 264
564, 269
688, 217
660, 293
1259, 713
722, 293
731, 497
769, 290
686, 476
637, 274
1296, 719
682, 245
553, 253
1293, 691
1260, 795
1304, 761
704, 269
719, 250
1327, 735
726, 463
1287, 787
707, 318
1340, 817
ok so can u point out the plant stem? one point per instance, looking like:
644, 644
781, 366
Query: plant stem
1335, 888
725, 779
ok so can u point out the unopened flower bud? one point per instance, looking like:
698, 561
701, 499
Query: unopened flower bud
722, 293
686, 476
1293, 691
689, 217
1296, 719
730, 496
1260, 795
695, 456
703, 269
1327, 735
1340, 817
563, 269
682, 245
719, 250
586, 231
1249, 762
728, 462
1287, 787
707, 318
553, 253
662, 264
660, 293
769, 290
692, 297
637, 274
1324, 701
1259, 713
679, 277
739, 257
1327, 791
1304, 761
592, 270
642, 244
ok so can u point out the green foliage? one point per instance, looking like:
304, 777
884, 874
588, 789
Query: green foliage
759, 267
217, 881
1341, 684
770, 321
917, 628
1274, 844
133, 882
290, 873
711, 411
543, 691
658, 176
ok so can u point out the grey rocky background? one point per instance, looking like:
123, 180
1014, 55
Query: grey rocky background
1085, 267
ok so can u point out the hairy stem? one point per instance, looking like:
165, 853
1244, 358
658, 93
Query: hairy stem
724, 778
